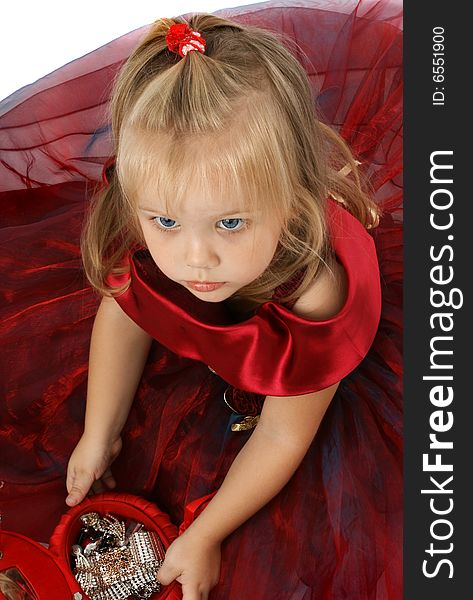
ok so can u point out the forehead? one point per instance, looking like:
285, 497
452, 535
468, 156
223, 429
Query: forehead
165, 170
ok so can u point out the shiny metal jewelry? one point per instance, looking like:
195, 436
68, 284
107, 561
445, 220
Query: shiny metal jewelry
249, 422
116, 565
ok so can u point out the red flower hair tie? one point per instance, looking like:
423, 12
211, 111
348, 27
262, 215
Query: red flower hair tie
181, 39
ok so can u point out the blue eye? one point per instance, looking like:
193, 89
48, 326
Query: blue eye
165, 223
232, 224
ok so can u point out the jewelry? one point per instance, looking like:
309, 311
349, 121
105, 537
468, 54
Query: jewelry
249, 422
120, 562
226, 402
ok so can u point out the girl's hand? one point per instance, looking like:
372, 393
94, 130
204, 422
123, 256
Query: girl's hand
89, 467
193, 562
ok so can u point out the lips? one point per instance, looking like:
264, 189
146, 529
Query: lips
205, 286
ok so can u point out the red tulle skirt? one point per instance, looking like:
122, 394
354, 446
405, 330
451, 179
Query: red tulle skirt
335, 530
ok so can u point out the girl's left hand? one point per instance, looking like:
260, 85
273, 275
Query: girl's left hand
194, 562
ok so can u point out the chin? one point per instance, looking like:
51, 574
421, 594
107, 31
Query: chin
210, 296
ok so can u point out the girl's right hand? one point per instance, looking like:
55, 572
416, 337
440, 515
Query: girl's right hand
89, 467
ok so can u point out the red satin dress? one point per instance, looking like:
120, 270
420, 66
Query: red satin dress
334, 532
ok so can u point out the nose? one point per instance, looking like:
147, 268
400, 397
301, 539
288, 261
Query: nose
200, 254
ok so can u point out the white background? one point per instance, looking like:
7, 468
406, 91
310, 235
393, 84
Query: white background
39, 36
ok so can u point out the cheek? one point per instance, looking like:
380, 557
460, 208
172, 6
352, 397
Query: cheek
157, 245
165, 261
261, 251
267, 242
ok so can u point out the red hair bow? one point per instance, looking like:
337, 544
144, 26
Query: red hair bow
181, 39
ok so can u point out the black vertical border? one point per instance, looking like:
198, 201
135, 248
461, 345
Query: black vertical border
430, 128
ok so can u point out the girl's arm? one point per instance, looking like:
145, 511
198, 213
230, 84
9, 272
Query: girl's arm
265, 464
118, 352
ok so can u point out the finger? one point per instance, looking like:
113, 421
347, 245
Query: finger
78, 486
191, 592
167, 575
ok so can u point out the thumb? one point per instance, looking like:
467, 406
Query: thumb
78, 487
167, 574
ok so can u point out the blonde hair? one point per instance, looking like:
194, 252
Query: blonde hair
248, 102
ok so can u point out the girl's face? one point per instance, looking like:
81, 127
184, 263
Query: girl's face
212, 247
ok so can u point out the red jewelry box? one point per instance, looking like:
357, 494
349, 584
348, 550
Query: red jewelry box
46, 572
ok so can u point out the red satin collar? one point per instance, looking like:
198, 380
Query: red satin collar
274, 352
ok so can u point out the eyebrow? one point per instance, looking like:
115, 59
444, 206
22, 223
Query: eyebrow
233, 212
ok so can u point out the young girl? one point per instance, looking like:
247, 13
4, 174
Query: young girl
221, 207
233, 248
